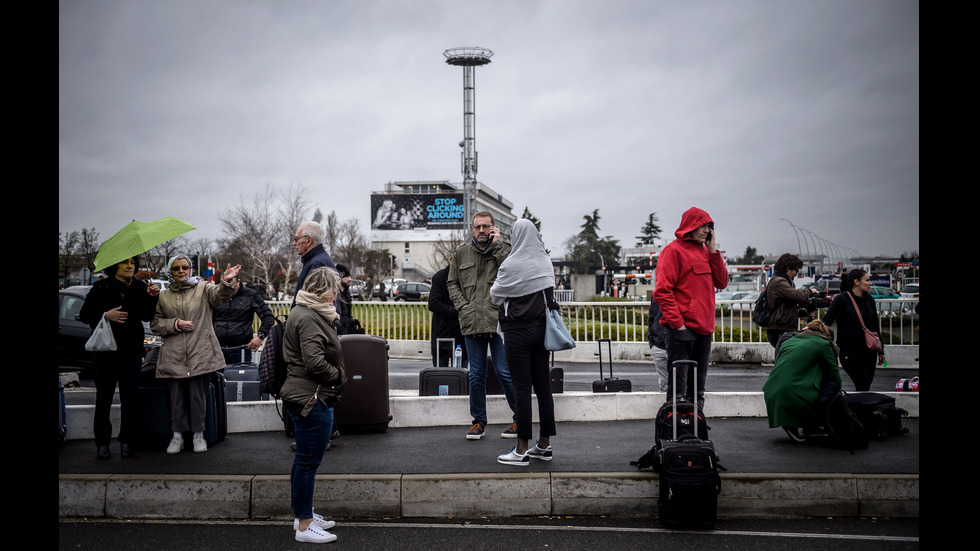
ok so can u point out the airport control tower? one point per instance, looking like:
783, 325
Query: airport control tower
468, 59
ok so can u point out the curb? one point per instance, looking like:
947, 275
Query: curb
259, 497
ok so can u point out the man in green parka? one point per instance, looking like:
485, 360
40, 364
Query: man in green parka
804, 363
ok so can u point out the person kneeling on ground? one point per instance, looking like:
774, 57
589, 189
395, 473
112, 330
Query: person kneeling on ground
805, 363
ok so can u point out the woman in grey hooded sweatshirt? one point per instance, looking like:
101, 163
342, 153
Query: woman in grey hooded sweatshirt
524, 287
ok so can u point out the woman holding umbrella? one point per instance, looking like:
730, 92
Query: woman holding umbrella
190, 350
126, 303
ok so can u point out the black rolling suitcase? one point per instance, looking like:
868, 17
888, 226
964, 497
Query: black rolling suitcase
216, 414
363, 405
689, 479
612, 384
444, 380
878, 413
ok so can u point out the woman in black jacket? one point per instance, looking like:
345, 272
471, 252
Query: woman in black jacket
523, 289
126, 303
858, 361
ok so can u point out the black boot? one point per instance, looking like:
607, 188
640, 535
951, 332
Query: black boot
125, 450
102, 452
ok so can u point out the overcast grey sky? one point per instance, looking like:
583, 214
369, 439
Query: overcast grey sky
754, 110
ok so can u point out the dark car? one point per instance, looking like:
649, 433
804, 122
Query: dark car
412, 292
72, 333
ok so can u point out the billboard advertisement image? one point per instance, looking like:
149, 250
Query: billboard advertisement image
414, 211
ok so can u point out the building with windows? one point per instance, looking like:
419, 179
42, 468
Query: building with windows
421, 223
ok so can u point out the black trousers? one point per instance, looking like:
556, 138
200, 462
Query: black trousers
529, 369
111, 369
860, 366
687, 345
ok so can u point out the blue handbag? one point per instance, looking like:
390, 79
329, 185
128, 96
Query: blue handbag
556, 334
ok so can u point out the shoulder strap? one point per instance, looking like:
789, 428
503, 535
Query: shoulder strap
856, 309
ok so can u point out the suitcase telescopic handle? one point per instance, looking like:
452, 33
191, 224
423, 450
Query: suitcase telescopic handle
692, 372
609, 344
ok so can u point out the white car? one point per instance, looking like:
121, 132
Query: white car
910, 291
746, 301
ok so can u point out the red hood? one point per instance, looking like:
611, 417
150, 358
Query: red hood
692, 219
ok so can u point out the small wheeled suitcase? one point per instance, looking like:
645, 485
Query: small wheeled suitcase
689, 479
363, 404
557, 376
242, 381
612, 384
444, 380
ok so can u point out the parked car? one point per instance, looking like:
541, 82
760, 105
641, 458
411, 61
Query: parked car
73, 333
910, 291
878, 292
412, 292
724, 295
390, 285
161, 283
829, 285
746, 301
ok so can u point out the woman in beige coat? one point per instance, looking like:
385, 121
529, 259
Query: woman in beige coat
190, 350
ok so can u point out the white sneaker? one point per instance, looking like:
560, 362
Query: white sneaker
176, 444
314, 534
317, 520
200, 444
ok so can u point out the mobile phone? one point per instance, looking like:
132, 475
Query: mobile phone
707, 236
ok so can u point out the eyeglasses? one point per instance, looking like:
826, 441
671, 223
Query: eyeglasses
180, 268
298, 237
482, 226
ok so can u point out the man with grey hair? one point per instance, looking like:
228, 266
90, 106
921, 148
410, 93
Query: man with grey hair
308, 242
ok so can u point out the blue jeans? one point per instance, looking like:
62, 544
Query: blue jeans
476, 350
312, 436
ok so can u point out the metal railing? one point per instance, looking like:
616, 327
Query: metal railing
618, 321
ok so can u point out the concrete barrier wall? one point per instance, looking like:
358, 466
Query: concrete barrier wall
483, 494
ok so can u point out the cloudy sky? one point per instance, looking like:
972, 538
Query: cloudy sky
762, 112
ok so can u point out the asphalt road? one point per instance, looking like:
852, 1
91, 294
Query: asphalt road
579, 533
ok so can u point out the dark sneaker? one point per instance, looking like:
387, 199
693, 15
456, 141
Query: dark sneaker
514, 458
543, 454
510, 432
476, 432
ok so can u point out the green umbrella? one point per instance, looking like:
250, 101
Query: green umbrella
137, 238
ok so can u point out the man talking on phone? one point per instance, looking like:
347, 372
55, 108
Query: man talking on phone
689, 271
471, 273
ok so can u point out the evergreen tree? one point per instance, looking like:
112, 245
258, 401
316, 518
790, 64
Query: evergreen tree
650, 231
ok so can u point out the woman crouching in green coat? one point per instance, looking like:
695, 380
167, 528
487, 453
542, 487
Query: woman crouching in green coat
804, 364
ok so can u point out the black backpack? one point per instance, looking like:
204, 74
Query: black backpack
761, 313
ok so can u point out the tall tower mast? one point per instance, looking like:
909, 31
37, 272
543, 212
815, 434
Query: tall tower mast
468, 58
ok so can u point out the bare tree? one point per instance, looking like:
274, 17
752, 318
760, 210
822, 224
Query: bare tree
68, 260
442, 251
293, 206
258, 233
351, 244
331, 232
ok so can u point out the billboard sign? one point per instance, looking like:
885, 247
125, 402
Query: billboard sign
417, 211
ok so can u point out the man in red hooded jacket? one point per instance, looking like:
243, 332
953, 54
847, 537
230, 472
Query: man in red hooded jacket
689, 270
